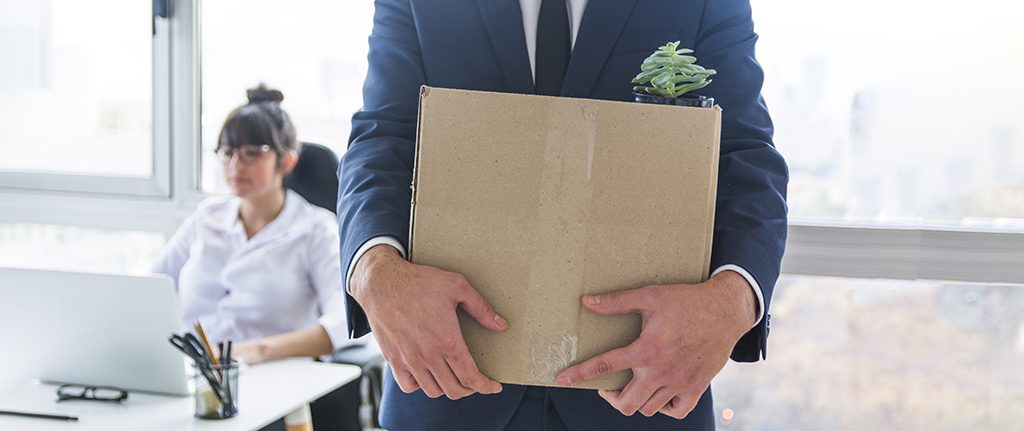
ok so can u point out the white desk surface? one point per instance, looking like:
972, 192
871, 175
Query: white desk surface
267, 392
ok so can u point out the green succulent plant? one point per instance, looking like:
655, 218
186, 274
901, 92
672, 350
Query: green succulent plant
669, 72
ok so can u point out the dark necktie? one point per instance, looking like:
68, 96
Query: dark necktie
553, 49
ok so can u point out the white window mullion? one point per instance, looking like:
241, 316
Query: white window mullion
905, 253
185, 96
162, 75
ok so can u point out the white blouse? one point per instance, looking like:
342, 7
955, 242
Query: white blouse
285, 278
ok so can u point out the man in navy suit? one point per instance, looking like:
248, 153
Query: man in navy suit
569, 48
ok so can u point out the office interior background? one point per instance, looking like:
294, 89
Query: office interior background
901, 301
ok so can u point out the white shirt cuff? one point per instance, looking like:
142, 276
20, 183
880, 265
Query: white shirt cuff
336, 326
753, 285
377, 240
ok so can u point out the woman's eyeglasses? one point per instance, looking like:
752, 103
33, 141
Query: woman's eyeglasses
95, 393
246, 154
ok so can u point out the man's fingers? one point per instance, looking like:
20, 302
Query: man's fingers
626, 301
610, 396
469, 375
405, 380
634, 395
657, 401
477, 307
445, 378
426, 381
679, 407
605, 363
630, 398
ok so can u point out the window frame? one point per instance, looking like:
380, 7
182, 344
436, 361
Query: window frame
157, 203
851, 250
158, 184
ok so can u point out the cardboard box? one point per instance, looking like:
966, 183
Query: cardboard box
538, 200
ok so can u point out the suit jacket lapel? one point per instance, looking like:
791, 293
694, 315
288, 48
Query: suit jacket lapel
504, 23
603, 21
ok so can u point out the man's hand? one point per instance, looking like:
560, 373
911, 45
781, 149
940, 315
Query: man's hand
412, 313
688, 332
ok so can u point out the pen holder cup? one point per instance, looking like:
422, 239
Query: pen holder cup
216, 393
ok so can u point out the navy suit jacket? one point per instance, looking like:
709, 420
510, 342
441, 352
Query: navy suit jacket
480, 45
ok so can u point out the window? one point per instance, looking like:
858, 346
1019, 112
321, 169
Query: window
882, 354
68, 248
897, 112
313, 51
901, 122
77, 95
882, 163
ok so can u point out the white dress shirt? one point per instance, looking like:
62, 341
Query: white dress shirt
531, 15
285, 278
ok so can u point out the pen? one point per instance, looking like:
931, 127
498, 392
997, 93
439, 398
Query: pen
190, 348
226, 360
38, 415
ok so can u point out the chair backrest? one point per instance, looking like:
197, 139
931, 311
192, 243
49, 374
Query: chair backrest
315, 176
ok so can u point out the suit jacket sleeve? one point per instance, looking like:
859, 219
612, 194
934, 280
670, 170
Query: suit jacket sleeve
750, 213
375, 174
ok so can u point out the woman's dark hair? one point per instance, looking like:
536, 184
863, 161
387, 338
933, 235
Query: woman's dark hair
260, 122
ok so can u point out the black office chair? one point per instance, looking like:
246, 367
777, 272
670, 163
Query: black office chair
315, 176
337, 411
352, 407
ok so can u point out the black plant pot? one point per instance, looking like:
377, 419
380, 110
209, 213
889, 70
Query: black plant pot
694, 100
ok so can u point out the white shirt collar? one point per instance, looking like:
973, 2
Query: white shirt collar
230, 221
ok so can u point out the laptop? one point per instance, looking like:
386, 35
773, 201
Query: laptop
91, 329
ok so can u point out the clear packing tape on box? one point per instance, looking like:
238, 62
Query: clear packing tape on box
539, 200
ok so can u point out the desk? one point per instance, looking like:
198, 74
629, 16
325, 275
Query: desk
267, 392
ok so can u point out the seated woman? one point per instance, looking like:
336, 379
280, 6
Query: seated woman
260, 267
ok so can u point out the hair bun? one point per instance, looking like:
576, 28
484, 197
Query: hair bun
262, 94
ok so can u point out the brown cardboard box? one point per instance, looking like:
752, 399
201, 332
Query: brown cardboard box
538, 200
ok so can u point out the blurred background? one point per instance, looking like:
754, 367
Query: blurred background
901, 304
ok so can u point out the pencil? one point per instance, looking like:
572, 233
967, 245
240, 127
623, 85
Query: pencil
206, 344
38, 415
